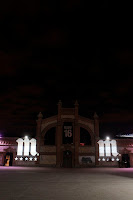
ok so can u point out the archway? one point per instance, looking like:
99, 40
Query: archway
67, 159
125, 160
49, 138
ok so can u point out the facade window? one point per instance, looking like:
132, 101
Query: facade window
85, 138
49, 138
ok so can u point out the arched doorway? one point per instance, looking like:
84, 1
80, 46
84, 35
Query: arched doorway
125, 160
67, 159
8, 159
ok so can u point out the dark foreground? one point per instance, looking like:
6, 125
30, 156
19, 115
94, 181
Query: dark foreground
33, 183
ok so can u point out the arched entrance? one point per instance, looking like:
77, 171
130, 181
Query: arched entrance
67, 159
8, 159
125, 160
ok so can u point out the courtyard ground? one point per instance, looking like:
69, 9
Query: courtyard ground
39, 183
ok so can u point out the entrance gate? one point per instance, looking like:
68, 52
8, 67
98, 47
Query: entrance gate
67, 159
125, 160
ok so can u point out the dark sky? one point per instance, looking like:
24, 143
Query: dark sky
51, 50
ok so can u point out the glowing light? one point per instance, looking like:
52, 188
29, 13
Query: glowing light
35, 159
99, 159
126, 135
30, 158
103, 159
107, 138
21, 158
107, 147
117, 159
114, 148
82, 144
20, 147
26, 158
107, 159
112, 159
33, 147
26, 146
16, 158
101, 147
29, 147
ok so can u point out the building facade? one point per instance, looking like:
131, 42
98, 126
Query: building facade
66, 140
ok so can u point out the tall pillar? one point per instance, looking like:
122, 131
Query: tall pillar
96, 131
38, 131
58, 135
77, 136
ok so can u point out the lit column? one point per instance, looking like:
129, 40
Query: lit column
114, 148
107, 148
20, 147
33, 147
26, 146
101, 147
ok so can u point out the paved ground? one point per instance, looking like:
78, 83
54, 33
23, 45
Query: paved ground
22, 183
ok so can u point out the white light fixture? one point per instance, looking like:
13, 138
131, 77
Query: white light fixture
26, 146
16, 158
21, 158
26, 158
107, 138
103, 159
99, 159
35, 159
113, 159
30, 158
108, 148
117, 159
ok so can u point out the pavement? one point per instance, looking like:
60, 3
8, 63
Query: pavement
39, 183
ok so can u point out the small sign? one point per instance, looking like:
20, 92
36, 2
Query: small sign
68, 131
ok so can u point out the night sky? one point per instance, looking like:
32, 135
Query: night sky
51, 51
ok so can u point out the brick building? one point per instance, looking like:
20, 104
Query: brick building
67, 140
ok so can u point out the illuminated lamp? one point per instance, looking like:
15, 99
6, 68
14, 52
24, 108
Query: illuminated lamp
16, 158
107, 138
